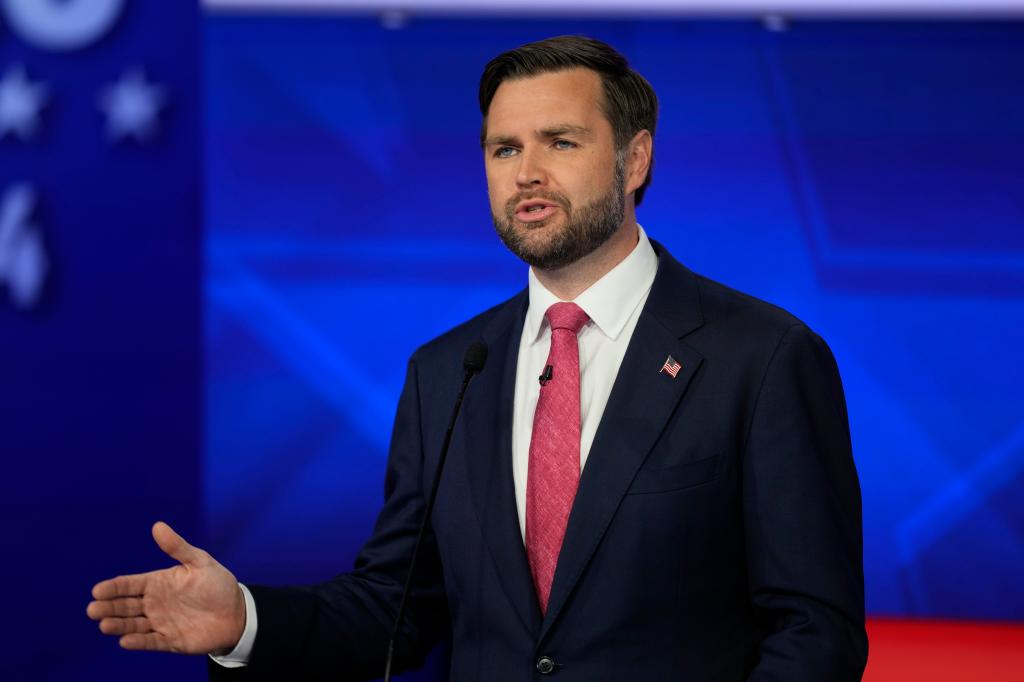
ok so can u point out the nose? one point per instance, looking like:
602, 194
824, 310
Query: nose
531, 169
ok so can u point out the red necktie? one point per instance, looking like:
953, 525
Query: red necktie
554, 468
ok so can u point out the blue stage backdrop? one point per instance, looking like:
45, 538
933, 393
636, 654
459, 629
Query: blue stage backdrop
100, 372
866, 176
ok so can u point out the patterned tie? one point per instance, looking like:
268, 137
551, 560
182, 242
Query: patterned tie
554, 468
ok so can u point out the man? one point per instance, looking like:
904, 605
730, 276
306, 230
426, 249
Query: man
673, 498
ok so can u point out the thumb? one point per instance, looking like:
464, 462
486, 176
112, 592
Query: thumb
175, 546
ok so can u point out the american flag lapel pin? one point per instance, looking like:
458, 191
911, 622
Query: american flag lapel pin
671, 367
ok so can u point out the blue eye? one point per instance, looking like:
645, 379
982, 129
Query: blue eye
503, 152
564, 144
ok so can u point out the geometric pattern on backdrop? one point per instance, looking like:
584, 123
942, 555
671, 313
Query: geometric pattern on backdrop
861, 175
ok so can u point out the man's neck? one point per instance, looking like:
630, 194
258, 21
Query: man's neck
572, 280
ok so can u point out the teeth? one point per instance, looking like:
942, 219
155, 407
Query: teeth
534, 209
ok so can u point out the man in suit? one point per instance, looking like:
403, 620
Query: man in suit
651, 478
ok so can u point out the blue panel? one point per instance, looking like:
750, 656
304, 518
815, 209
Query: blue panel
99, 375
871, 173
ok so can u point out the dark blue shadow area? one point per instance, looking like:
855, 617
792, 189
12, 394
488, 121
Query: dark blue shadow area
100, 379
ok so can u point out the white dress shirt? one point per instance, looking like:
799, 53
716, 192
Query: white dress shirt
613, 303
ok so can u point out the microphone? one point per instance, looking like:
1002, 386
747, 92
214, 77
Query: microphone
546, 376
472, 364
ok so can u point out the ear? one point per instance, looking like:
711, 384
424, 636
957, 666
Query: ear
638, 160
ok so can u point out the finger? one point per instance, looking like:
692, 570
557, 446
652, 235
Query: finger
120, 608
150, 641
174, 545
125, 626
121, 586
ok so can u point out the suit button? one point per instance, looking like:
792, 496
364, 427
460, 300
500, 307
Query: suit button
545, 665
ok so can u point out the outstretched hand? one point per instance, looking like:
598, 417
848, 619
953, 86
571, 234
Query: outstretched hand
193, 608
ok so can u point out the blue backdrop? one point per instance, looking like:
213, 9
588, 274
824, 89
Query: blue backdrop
865, 176
239, 380
100, 312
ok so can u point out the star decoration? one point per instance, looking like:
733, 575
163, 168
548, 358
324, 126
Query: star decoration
20, 104
132, 105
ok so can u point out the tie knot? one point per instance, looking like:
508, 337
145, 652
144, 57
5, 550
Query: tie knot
566, 316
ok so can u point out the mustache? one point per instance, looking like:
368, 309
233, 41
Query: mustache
553, 197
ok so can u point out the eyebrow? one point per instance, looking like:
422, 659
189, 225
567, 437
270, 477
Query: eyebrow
552, 131
563, 129
500, 140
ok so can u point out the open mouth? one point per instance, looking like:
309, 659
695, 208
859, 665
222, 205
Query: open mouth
535, 210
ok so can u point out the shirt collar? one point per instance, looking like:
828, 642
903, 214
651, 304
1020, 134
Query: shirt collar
610, 301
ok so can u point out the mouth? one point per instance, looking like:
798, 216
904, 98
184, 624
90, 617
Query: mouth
535, 210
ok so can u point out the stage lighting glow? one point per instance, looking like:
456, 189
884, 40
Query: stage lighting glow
880, 8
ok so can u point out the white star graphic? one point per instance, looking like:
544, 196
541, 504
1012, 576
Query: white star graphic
132, 106
20, 103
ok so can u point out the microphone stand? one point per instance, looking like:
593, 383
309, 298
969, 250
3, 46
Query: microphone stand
473, 363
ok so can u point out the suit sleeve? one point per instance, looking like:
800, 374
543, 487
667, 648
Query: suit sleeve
339, 629
802, 513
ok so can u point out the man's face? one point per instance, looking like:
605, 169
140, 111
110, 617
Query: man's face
553, 176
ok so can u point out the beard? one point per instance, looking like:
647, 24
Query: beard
586, 228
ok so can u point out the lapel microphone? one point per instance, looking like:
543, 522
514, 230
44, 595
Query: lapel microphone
472, 364
546, 376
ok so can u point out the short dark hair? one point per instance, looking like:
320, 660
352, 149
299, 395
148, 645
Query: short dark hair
630, 104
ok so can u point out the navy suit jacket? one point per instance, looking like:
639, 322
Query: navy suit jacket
715, 535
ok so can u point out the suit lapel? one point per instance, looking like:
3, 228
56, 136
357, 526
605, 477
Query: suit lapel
487, 433
640, 405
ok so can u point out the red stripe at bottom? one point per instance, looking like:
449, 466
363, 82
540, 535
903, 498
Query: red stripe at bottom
941, 651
